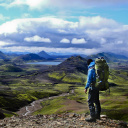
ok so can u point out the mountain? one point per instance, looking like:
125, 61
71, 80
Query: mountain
72, 64
65, 55
28, 58
3, 56
110, 57
10, 68
53, 56
16, 53
118, 56
82, 55
12, 55
44, 55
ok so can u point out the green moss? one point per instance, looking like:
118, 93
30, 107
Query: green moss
51, 106
11, 103
2, 101
62, 87
114, 105
8, 115
27, 97
70, 77
75, 78
79, 95
121, 114
57, 75
20, 91
118, 76
45, 93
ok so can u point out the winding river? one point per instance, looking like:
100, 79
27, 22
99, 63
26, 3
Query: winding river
36, 105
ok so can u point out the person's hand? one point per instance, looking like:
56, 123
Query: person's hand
85, 91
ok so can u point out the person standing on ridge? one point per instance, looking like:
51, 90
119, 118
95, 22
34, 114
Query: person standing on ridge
93, 94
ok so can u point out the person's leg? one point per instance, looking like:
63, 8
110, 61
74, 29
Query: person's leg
97, 104
91, 106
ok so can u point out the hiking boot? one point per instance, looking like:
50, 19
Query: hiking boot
91, 119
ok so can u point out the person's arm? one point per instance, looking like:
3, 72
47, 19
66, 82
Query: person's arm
89, 80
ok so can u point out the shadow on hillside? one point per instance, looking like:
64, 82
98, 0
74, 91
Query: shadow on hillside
112, 85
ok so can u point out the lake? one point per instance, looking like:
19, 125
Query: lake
45, 63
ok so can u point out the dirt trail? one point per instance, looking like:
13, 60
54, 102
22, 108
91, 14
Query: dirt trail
35, 105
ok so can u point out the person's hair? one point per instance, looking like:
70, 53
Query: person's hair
89, 61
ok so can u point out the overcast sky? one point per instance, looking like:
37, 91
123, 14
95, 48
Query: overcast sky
64, 26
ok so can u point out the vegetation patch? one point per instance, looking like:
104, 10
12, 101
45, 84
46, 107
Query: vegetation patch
18, 89
63, 87
75, 78
57, 75
27, 97
114, 104
118, 76
61, 105
79, 95
51, 106
121, 114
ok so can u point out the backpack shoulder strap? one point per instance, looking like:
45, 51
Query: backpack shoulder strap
91, 68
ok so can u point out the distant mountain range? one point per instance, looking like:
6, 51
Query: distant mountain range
3, 56
44, 56
28, 58
56, 55
110, 57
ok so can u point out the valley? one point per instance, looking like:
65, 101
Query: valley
21, 84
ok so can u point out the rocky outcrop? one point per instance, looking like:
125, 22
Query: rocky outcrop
65, 120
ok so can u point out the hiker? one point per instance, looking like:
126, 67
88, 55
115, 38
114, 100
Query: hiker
93, 94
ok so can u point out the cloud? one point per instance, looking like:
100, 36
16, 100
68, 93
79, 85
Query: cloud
88, 33
34, 25
78, 41
5, 43
2, 43
26, 15
9, 27
119, 42
103, 41
41, 4
96, 22
4, 17
37, 39
65, 41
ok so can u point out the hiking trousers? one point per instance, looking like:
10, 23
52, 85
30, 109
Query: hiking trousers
93, 99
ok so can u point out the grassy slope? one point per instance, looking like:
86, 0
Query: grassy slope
73, 103
114, 104
76, 77
23, 90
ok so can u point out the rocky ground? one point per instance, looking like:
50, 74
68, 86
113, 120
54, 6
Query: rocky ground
65, 120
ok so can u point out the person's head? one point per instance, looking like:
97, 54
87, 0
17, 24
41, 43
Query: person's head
89, 61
